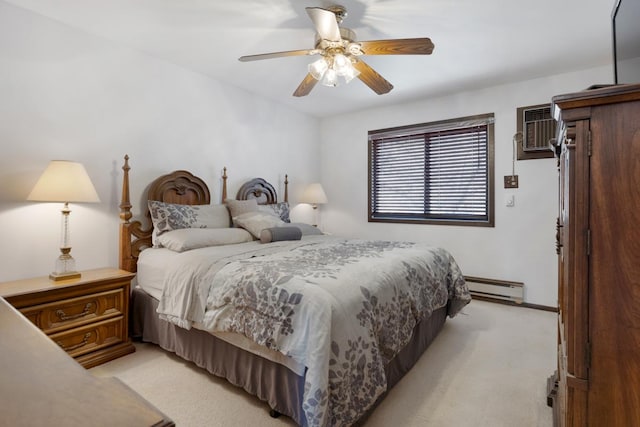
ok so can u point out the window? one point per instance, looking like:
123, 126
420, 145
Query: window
436, 173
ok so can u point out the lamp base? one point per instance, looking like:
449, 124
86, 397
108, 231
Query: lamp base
67, 275
65, 266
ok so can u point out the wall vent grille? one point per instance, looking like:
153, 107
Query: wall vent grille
496, 289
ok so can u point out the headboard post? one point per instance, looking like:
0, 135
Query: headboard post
286, 188
224, 184
127, 261
125, 204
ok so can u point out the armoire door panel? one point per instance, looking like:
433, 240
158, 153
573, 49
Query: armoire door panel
615, 244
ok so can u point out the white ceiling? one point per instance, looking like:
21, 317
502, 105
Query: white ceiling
477, 43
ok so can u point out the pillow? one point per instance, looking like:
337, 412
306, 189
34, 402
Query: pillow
171, 216
306, 229
238, 207
193, 238
255, 222
279, 209
277, 234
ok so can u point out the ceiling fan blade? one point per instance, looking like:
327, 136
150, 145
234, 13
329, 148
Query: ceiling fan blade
371, 78
305, 87
325, 23
277, 55
421, 46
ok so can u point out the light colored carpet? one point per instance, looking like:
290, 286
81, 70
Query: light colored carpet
488, 367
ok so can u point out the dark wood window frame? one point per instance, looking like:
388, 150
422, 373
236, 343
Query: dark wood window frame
410, 183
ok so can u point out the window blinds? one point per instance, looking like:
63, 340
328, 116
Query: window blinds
430, 175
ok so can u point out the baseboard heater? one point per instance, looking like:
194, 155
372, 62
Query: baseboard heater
496, 289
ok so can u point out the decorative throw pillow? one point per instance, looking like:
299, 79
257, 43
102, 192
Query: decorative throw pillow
238, 207
277, 234
306, 229
193, 238
171, 216
280, 209
255, 222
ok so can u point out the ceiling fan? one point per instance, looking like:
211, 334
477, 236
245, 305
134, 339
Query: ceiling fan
340, 53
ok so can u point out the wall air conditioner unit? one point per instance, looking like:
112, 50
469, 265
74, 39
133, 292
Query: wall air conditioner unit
535, 128
492, 289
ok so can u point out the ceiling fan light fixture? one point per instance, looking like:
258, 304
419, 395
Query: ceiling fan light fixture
330, 67
351, 73
330, 78
344, 67
340, 63
318, 68
340, 53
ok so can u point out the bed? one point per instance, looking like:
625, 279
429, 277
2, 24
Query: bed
317, 326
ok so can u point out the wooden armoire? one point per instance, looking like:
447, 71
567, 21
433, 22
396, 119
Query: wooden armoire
598, 245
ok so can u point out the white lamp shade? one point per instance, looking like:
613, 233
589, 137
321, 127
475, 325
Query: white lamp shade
314, 194
64, 181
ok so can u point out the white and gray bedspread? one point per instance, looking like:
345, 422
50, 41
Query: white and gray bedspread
342, 308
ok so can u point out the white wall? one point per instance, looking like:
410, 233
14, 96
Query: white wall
521, 247
65, 94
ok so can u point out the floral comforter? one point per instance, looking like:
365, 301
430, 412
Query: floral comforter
343, 308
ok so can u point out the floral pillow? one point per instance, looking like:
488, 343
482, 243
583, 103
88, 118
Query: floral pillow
279, 209
170, 216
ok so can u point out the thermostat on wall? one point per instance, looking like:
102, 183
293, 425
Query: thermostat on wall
511, 181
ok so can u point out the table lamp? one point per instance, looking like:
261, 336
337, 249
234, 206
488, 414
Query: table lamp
314, 195
67, 182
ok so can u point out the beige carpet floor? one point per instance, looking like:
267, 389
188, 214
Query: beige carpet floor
488, 367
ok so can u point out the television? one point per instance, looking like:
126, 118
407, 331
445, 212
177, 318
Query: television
626, 41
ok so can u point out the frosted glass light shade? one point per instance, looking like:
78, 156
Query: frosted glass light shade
318, 68
330, 78
64, 181
350, 74
340, 63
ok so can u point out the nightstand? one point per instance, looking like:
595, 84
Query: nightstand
87, 317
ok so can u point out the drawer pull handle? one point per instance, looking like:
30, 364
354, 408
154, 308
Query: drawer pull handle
84, 341
63, 316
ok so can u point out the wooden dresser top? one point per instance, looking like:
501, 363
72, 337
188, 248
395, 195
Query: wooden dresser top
42, 385
43, 284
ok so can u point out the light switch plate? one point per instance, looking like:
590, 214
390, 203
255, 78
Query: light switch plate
511, 181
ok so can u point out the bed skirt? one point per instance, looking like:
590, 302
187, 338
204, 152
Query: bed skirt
271, 382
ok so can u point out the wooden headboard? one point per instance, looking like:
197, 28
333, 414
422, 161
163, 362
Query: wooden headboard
262, 191
183, 188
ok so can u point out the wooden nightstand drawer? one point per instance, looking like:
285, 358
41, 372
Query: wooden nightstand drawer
88, 317
91, 337
56, 316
